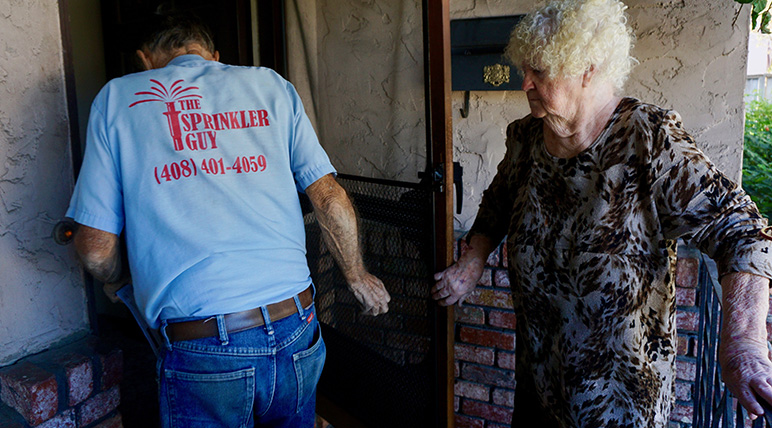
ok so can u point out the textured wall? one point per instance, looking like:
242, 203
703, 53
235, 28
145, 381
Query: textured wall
41, 291
364, 62
478, 140
692, 59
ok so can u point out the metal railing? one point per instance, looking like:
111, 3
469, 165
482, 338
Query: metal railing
714, 405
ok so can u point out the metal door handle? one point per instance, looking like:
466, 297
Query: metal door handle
458, 183
436, 178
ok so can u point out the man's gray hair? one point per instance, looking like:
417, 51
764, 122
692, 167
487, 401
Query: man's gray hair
172, 32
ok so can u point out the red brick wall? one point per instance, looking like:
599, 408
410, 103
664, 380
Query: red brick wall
74, 386
485, 343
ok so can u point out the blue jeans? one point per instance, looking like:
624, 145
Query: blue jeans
264, 376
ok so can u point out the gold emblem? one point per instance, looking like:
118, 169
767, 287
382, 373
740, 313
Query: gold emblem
767, 232
496, 74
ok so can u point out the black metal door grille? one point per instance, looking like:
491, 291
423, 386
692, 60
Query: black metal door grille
381, 368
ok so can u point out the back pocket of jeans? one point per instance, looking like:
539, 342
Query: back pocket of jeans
308, 368
211, 399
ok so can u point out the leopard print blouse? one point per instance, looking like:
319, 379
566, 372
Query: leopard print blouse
591, 244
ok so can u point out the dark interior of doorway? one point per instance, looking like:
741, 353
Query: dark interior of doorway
124, 22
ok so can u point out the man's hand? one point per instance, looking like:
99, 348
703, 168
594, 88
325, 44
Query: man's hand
111, 288
371, 294
338, 222
743, 353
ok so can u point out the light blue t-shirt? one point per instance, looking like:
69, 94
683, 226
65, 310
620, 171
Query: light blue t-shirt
201, 162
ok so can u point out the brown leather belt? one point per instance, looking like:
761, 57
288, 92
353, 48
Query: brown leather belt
237, 321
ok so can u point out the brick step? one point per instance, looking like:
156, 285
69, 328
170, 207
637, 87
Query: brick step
74, 386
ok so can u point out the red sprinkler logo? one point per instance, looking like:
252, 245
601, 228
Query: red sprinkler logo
175, 93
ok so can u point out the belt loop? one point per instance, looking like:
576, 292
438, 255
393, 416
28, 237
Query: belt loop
222, 329
267, 319
162, 330
301, 312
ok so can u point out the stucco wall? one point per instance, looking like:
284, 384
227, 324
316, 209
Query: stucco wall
691, 59
41, 291
361, 64
478, 140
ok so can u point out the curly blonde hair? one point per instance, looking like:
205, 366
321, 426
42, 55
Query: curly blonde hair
568, 37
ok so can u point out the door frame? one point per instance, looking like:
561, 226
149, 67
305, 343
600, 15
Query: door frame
440, 154
76, 148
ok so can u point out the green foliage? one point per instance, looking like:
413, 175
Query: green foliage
757, 153
761, 16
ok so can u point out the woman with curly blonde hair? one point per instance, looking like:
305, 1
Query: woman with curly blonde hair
593, 193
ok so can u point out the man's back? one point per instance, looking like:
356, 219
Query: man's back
203, 158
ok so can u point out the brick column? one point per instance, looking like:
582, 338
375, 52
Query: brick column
485, 345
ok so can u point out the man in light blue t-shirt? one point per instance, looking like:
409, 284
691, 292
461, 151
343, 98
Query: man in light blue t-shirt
200, 164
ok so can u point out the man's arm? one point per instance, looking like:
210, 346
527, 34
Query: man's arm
743, 353
338, 221
100, 253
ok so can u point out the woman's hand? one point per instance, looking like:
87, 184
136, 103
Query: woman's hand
747, 372
743, 353
457, 282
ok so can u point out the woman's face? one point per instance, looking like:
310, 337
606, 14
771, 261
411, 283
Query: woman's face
552, 98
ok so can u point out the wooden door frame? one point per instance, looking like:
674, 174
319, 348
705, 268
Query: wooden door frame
76, 148
440, 158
